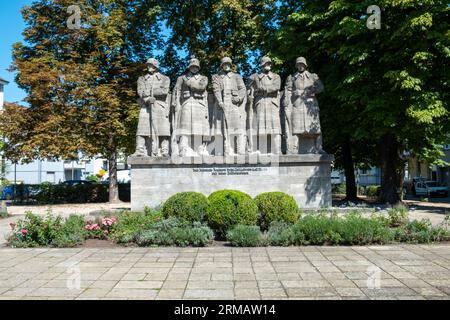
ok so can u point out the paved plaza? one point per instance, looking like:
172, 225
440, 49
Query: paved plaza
372, 272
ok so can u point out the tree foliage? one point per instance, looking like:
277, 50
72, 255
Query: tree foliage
387, 87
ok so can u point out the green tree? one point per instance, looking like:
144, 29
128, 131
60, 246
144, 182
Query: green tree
213, 29
81, 82
387, 87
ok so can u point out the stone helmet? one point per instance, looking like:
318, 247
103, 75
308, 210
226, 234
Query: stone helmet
194, 62
264, 61
301, 60
226, 60
153, 62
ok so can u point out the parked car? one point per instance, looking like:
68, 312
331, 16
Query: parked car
7, 192
430, 189
77, 182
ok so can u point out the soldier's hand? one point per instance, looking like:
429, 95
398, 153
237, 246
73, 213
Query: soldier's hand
152, 100
236, 100
221, 105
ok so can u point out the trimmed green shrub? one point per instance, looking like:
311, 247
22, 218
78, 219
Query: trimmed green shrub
318, 229
357, 230
186, 206
281, 234
228, 208
245, 236
130, 223
276, 206
172, 231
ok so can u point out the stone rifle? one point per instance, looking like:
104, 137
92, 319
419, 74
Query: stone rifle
251, 99
226, 136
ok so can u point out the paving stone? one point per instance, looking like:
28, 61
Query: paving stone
247, 293
272, 293
389, 292
349, 292
139, 285
149, 294
269, 284
169, 284
134, 276
209, 285
103, 284
170, 294
222, 277
93, 293
311, 292
306, 284
406, 272
209, 294
246, 285
156, 276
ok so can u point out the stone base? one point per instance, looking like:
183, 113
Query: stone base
305, 177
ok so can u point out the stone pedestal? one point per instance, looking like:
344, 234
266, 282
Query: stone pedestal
306, 177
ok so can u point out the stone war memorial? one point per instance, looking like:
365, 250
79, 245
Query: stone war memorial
222, 133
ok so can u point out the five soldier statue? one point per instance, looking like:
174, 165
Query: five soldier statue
249, 118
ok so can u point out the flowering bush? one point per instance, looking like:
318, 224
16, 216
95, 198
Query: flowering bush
38, 231
101, 228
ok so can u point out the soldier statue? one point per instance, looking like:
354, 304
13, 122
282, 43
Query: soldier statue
231, 97
264, 95
153, 133
302, 110
191, 120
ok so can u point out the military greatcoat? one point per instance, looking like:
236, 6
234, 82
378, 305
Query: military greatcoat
191, 103
265, 90
154, 118
301, 103
229, 89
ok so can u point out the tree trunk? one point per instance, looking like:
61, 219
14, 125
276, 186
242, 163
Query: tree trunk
113, 185
391, 170
349, 168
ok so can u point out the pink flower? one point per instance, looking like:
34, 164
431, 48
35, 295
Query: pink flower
92, 227
24, 231
109, 221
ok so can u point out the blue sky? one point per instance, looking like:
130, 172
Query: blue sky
11, 27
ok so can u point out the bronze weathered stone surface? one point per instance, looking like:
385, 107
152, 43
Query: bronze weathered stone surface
264, 95
230, 117
154, 124
302, 110
190, 101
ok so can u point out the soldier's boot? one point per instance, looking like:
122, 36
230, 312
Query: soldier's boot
183, 146
308, 144
141, 149
228, 147
241, 144
155, 147
202, 150
276, 146
319, 146
165, 147
292, 144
